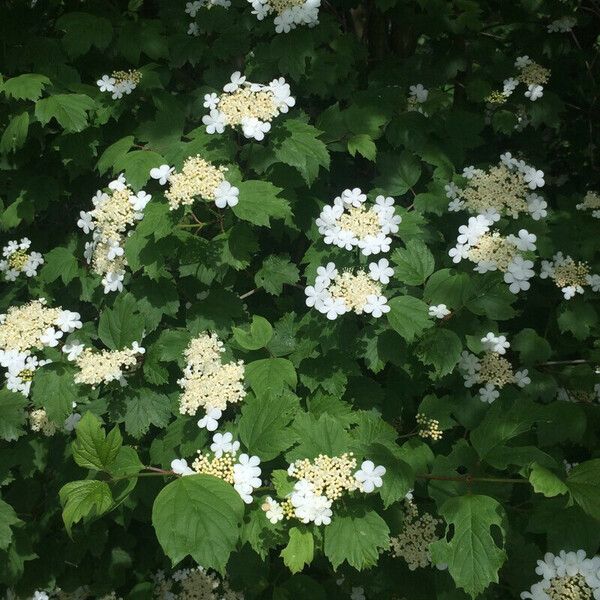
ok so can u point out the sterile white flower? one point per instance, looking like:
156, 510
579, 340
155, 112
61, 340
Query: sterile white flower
369, 476
497, 344
235, 81
381, 270
439, 311
180, 467
534, 92
419, 92
226, 195
223, 442
215, 122
161, 173
210, 421
488, 393
522, 378
376, 305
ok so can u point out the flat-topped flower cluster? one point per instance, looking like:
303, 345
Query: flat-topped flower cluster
192, 584
289, 13
119, 83
248, 106
350, 222
591, 202
207, 382
114, 213
569, 275
16, 260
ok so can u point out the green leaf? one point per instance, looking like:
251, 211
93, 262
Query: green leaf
264, 425
259, 202
274, 273
84, 500
532, 348
577, 318
447, 287
398, 173
356, 540
8, 518
69, 110
114, 153
364, 145
257, 337
545, 482
302, 149
198, 515
146, 408
299, 550
15, 134
54, 390
323, 435
122, 324
25, 87
137, 165
413, 264
584, 484
84, 30
59, 262
93, 449
441, 349
270, 375
471, 553
12, 414
399, 477
408, 316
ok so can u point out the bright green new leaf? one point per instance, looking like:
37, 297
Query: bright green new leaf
546, 482
15, 134
299, 550
84, 500
69, 110
257, 336
274, 273
8, 519
440, 348
93, 448
28, 86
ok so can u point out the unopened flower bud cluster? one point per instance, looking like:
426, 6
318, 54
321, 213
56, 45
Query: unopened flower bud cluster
320, 482
192, 584
350, 222
429, 428
25, 329
198, 179
503, 190
224, 461
492, 370
289, 13
119, 83
16, 260
104, 366
569, 275
335, 293
114, 213
591, 202
248, 106
207, 383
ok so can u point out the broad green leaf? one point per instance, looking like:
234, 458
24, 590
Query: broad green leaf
257, 337
577, 318
545, 482
69, 110
84, 30
447, 287
413, 264
8, 519
12, 414
271, 375
323, 435
59, 263
146, 407
532, 348
399, 477
408, 316
584, 484
398, 173
84, 500
364, 145
264, 425
440, 348
274, 273
299, 550
137, 164
470, 548
259, 203
15, 134
93, 449
25, 87
54, 390
122, 324
114, 153
200, 516
356, 540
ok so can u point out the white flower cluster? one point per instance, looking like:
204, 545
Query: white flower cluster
193, 584
490, 252
80, 593
198, 178
583, 396
566, 576
349, 222
562, 25
208, 383
492, 370
17, 260
591, 202
319, 483
531, 74
241, 471
570, 276
505, 189
335, 293
96, 367
113, 214
250, 106
119, 83
25, 329
290, 13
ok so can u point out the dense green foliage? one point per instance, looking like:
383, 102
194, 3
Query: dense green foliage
99, 506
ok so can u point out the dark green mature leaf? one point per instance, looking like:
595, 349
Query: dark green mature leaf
441, 349
323, 435
54, 390
584, 484
264, 425
8, 519
15, 134
12, 414
69, 110
413, 264
59, 262
271, 375
471, 552
274, 273
408, 316
398, 173
299, 550
93, 449
364, 145
399, 477
84, 30
200, 516
122, 324
137, 165
531, 347
356, 540
259, 203
146, 408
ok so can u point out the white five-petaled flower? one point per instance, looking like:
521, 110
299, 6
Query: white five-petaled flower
522, 378
439, 311
50, 337
211, 101
534, 178
369, 476
534, 92
226, 195
86, 222
376, 305
215, 122
223, 442
488, 393
419, 92
235, 81
161, 173
495, 343
210, 420
381, 270
106, 83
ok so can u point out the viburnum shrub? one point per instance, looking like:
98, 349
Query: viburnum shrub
299, 299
